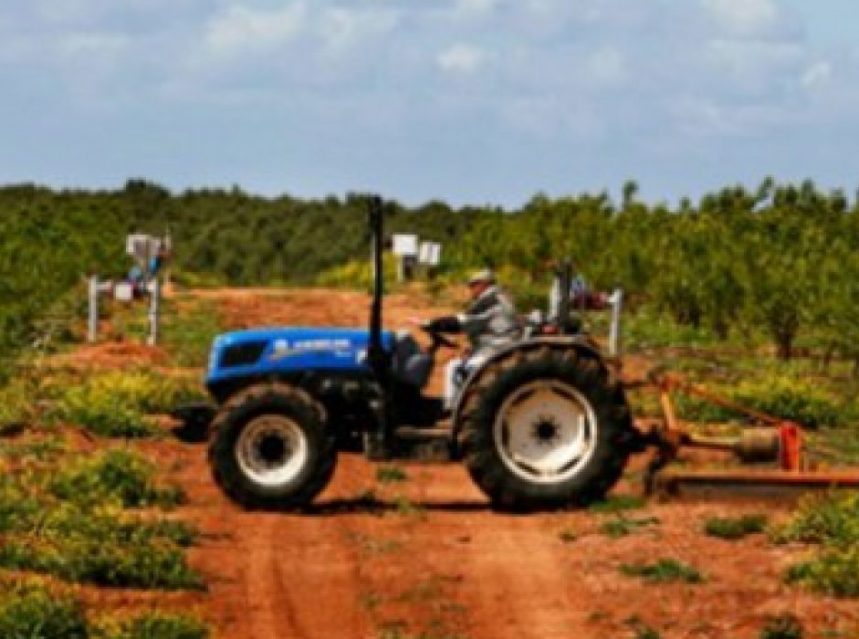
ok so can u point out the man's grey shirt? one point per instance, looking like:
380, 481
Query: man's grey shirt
490, 320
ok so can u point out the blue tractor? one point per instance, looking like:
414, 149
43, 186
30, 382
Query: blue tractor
542, 423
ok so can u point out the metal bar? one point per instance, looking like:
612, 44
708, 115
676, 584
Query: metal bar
675, 481
668, 410
92, 319
614, 327
673, 382
154, 311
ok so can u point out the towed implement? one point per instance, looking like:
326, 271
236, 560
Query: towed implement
542, 422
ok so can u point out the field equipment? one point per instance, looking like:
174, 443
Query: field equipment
769, 440
541, 422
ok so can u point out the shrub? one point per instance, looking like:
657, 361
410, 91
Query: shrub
188, 334
778, 395
835, 572
831, 519
154, 625
114, 474
663, 571
115, 404
783, 626
137, 564
735, 527
32, 611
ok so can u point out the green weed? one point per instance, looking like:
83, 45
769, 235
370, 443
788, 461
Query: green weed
735, 527
831, 520
390, 474
116, 403
189, 331
153, 625
114, 474
783, 626
618, 503
29, 611
663, 571
622, 526
834, 572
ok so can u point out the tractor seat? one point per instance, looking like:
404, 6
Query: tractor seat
411, 365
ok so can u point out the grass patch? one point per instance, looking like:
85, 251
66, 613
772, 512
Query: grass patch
153, 625
832, 520
834, 572
735, 527
617, 504
390, 474
623, 526
189, 331
117, 403
29, 610
71, 522
663, 571
114, 474
776, 393
141, 562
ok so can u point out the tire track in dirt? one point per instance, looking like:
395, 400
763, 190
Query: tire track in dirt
522, 590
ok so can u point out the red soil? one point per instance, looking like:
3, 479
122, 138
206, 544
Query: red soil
428, 555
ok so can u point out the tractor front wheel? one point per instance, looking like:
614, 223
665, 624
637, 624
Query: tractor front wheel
271, 448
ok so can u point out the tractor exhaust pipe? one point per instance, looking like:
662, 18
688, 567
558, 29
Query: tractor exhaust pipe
375, 352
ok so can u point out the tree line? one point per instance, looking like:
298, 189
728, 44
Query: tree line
779, 258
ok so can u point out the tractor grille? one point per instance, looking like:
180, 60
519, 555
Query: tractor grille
242, 354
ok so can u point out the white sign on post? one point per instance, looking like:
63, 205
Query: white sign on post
405, 245
430, 253
141, 246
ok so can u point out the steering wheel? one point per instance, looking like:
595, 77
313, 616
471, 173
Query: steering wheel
438, 339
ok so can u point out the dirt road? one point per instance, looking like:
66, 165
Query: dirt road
425, 557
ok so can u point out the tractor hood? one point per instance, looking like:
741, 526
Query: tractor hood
284, 350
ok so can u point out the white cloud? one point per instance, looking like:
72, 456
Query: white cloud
816, 75
461, 58
241, 28
744, 16
342, 28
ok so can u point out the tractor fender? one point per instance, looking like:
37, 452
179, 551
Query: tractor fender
580, 343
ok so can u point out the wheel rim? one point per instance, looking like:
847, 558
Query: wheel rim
271, 450
545, 431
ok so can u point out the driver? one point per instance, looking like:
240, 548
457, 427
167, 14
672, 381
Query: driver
489, 321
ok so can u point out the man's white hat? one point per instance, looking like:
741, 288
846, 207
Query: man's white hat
485, 275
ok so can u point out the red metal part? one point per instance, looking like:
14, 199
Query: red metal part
789, 477
790, 451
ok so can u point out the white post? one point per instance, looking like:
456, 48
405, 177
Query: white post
616, 301
154, 310
92, 323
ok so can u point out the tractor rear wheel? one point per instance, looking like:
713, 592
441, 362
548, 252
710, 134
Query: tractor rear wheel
545, 427
272, 448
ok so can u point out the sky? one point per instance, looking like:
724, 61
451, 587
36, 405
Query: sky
468, 101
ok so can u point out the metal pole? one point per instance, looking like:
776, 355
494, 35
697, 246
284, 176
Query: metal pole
154, 310
92, 323
614, 330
